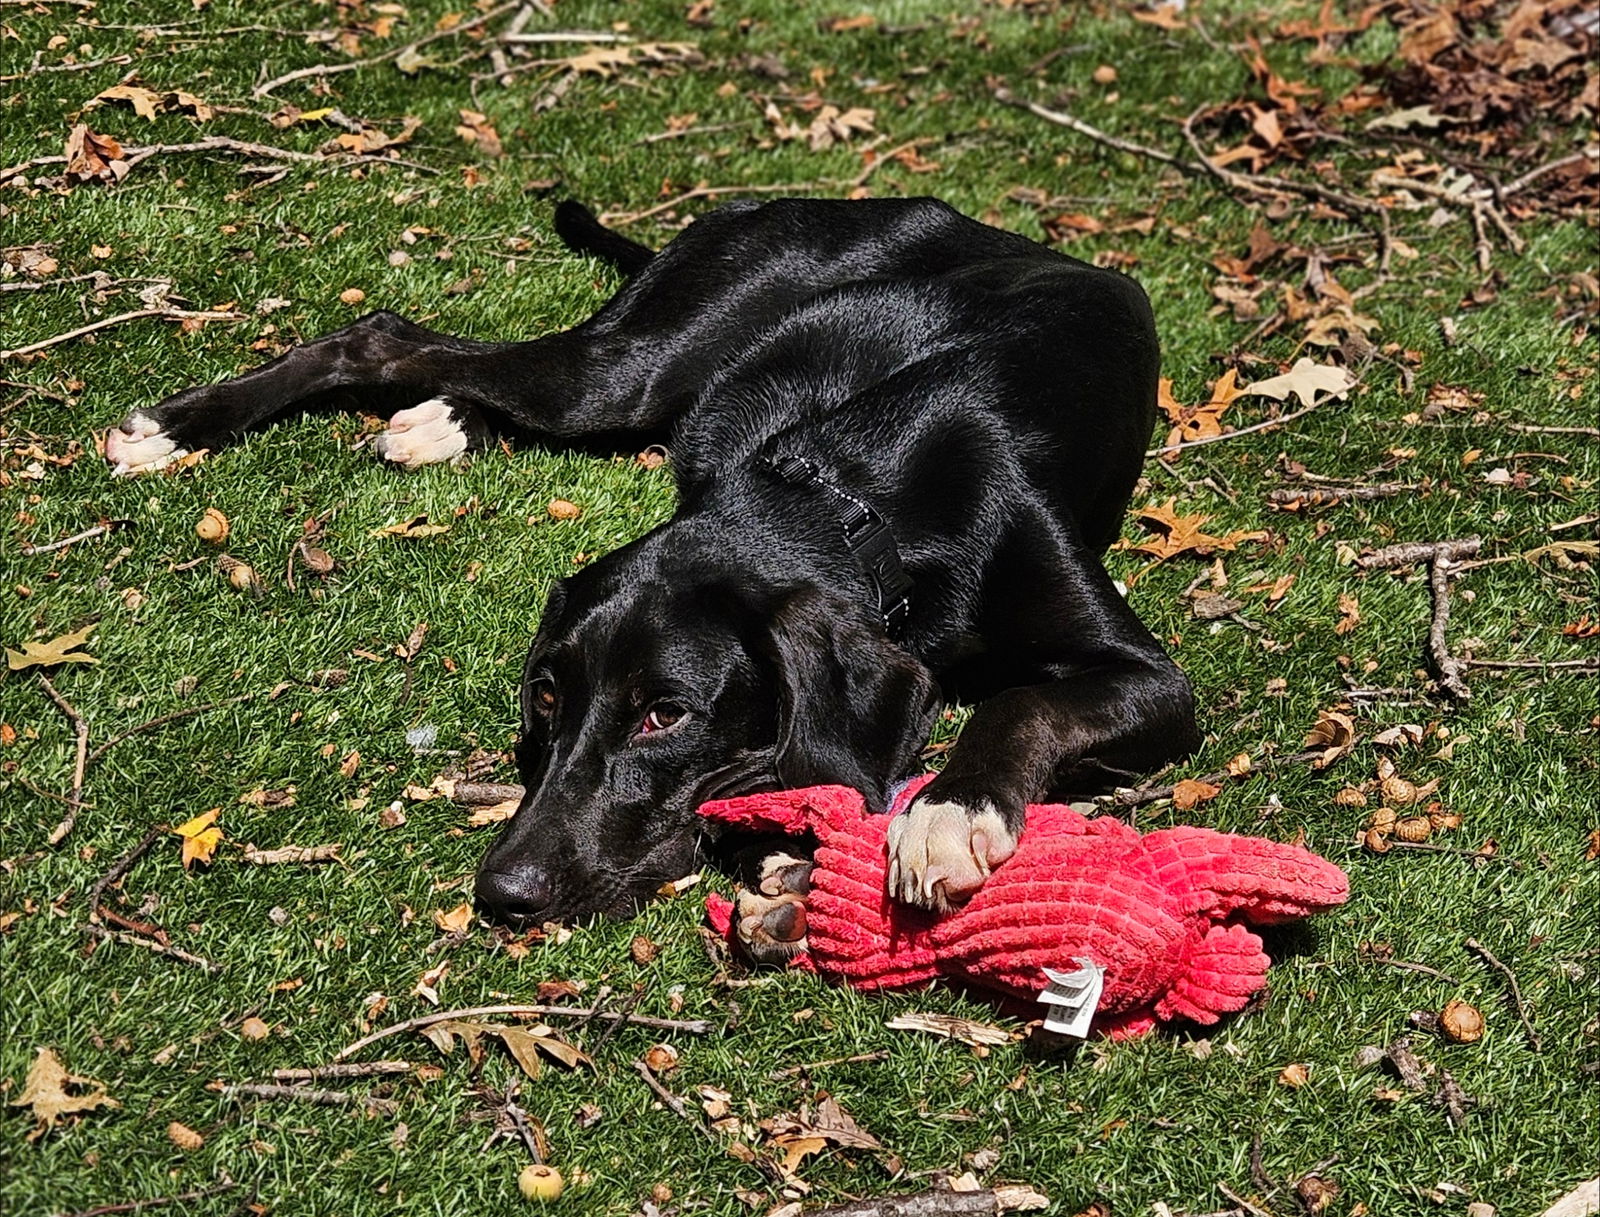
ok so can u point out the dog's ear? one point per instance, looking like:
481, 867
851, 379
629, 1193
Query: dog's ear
854, 708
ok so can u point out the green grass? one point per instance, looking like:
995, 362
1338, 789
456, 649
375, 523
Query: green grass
1129, 1125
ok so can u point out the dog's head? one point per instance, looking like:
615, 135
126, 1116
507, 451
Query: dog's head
649, 691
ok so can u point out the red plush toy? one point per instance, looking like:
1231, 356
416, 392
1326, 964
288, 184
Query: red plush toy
1094, 920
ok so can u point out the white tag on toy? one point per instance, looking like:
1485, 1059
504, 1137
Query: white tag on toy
1071, 998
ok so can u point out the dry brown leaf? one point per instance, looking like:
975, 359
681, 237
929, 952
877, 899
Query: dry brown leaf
46, 1088
1394, 737
1335, 734
1295, 1075
413, 643
478, 131
455, 920
605, 60
184, 1137
200, 836
93, 157
1349, 614
1201, 421
147, 103
63, 649
1182, 534
1191, 792
254, 1029
416, 526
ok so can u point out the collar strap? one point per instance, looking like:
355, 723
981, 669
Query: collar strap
866, 536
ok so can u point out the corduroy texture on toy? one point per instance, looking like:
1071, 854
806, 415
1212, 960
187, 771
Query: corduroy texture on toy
1165, 913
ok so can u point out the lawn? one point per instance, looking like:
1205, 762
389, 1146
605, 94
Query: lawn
319, 716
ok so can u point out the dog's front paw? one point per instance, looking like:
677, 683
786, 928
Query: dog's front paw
429, 433
770, 919
941, 852
140, 445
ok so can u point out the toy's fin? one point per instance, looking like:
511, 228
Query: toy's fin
793, 812
1225, 969
1258, 880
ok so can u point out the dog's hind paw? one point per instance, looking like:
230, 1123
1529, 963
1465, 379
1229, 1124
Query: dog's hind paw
139, 445
429, 433
770, 919
941, 853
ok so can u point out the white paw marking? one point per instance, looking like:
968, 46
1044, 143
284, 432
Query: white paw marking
425, 434
940, 853
760, 945
140, 446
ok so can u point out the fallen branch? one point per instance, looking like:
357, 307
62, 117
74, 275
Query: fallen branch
1571, 665
98, 530
1408, 966
1427, 847
1332, 496
166, 314
691, 1026
305, 1094
484, 794
151, 945
333, 69
302, 855
938, 1202
349, 1069
620, 219
80, 727
1488, 957
1531, 429
1441, 556
122, 866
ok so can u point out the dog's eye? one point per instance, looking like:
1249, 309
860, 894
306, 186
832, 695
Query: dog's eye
661, 716
544, 695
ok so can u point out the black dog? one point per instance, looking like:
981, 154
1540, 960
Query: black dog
902, 439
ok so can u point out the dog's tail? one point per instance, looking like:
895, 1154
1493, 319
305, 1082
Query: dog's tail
583, 233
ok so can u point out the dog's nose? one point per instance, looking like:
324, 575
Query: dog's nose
513, 896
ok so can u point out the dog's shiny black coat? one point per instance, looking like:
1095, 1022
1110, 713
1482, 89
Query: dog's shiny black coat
989, 397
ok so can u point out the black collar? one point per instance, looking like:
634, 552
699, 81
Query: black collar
866, 536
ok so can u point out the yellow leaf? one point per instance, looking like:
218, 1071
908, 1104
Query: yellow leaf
49, 654
416, 526
200, 837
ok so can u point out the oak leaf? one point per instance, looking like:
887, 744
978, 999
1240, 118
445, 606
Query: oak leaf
1191, 792
416, 526
1306, 380
1182, 534
46, 1091
1201, 421
64, 649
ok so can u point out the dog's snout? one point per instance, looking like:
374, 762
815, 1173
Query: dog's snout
514, 896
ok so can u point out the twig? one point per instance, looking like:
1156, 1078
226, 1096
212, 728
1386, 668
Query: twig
155, 1202
1408, 966
1427, 847
620, 219
709, 129
166, 314
1409, 553
1261, 426
1139, 796
1579, 665
624, 1015
333, 69
350, 1069
860, 1058
1516, 184
1234, 1196
1530, 428
88, 533
1488, 956
39, 285
122, 866
149, 944
671, 1100
691, 1026
302, 855
935, 1202
520, 1119
305, 1094
564, 36
1332, 496
80, 727
163, 720
1448, 669
484, 794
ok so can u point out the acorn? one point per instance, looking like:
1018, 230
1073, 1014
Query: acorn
184, 1137
1383, 820
1461, 1022
1350, 797
241, 574
212, 527
1413, 828
540, 1182
1398, 791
